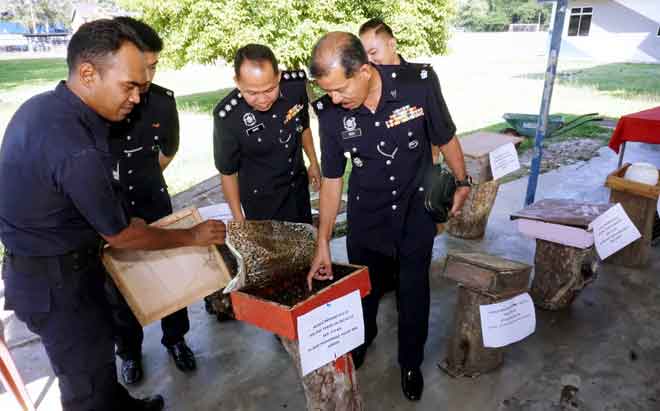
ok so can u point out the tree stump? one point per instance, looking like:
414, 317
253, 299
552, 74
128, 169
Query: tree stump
641, 211
471, 223
560, 273
483, 279
332, 387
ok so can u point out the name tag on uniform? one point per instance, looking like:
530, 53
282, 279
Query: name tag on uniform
257, 128
351, 134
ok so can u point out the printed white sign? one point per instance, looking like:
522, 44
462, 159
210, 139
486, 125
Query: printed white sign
508, 321
504, 160
330, 331
216, 212
613, 230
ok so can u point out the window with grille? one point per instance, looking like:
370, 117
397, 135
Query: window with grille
580, 21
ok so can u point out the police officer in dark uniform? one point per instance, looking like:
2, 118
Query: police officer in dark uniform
260, 131
381, 46
142, 146
56, 204
384, 119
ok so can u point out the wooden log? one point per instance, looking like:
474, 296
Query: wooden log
642, 211
472, 221
483, 279
560, 273
333, 387
466, 354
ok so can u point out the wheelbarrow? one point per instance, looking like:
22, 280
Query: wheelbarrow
525, 124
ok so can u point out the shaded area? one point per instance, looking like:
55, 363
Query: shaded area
28, 72
616, 79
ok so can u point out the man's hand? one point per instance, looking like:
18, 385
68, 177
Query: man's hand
209, 232
314, 174
321, 265
460, 196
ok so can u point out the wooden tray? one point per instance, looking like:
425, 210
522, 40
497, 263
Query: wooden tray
615, 181
158, 283
266, 309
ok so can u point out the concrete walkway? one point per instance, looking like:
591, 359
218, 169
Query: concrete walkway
609, 339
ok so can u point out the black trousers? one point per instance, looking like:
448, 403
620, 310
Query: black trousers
413, 297
75, 328
128, 334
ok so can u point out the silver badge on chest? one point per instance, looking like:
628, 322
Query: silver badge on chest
357, 162
350, 123
249, 119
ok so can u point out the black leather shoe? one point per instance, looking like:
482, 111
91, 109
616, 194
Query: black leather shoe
358, 356
412, 383
183, 356
131, 371
155, 403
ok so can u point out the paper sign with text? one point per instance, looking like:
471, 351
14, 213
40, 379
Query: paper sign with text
219, 211
613, 230
330, 331
504, 160
508, 321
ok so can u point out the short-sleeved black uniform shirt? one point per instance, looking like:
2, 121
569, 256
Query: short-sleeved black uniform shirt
265, 149
151, 128
390, 154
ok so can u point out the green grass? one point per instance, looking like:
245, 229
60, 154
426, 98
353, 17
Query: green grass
30, 72
589, 130
202, 103
617, 79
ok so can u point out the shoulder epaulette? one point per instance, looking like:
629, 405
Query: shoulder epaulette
155, 88
227, 105
321, 104
290, 75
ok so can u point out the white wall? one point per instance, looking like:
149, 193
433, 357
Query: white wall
621, 30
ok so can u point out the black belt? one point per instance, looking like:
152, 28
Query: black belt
77, 260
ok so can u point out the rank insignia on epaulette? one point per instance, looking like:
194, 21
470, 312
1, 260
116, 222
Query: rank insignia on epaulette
292, 112
404, 114
424, 74
319, 105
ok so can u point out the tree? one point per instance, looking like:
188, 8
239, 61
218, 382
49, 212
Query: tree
40, 13
202, 31
496, 15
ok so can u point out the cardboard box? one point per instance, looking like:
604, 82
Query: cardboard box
158, 283
616, 181
260, 307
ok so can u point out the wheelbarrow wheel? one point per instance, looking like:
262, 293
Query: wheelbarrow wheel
511, 132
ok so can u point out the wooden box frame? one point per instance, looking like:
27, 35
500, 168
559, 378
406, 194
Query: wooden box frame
283, 320
150, 280
616, 181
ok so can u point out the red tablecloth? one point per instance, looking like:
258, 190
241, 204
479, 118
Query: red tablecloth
643, 127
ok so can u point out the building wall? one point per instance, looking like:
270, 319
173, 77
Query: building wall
621, 30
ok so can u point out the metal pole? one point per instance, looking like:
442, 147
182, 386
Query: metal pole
550, 74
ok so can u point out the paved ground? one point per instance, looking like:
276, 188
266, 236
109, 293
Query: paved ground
609, 339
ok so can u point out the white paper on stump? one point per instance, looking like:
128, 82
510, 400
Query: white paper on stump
504, 160
330, 331
508, 321
613, 230
216, 212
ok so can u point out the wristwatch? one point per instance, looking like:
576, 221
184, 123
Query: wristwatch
464, 183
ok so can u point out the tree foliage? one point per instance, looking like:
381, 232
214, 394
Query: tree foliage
496, 15
203, 31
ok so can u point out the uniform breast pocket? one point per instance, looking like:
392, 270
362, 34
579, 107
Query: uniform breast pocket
257, 142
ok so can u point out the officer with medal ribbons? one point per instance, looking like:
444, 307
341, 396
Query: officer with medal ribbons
57, 204
380, 44
143, 145
383, 119
261, 129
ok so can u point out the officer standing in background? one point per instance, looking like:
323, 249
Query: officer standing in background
56, 205
260, 131
380, 44
384, 119
142, 146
